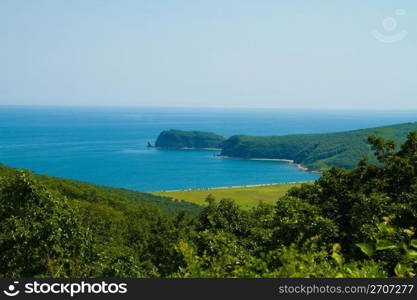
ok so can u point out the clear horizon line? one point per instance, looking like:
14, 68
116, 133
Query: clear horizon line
208, 107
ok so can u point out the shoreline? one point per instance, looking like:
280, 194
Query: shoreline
230, 187
188, 148
289, 161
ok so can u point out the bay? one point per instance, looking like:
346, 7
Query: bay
107, 146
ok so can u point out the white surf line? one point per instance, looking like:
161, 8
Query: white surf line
289, 161
230, 187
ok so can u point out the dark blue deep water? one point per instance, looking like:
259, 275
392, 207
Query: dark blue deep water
107, 146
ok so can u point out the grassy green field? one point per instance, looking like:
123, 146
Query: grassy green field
246, 197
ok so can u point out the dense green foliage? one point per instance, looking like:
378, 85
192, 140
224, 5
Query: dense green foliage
177, 139
40, 233
349, 223
59, 228
315, 151
95, 193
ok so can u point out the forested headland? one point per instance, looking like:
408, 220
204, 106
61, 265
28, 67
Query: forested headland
179, 139
349, 223
313, 151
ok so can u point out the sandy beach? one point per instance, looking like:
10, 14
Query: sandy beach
299, 166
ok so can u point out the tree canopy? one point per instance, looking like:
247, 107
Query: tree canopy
349, 223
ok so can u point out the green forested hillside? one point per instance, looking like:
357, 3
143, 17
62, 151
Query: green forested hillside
315, 151
94, 193
177, 139
349, 223
58, 228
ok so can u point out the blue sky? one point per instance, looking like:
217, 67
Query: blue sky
229, 53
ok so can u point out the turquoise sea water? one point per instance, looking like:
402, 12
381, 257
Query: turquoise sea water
107, 146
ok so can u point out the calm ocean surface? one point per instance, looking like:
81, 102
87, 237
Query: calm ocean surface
107, 146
